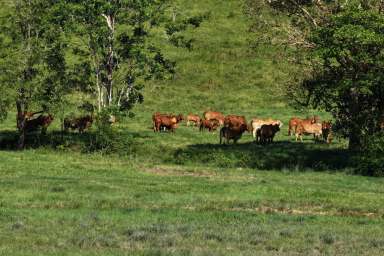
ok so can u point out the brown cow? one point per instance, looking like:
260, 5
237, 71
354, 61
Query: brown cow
267, 133
326, 128
307, 128
195, 119
166, 122
295, 121
232, 133
80, 123
212, 115
234, 121
41, 122
211, 125
256, 124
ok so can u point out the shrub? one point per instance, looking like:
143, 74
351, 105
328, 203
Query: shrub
371, 160
105, 139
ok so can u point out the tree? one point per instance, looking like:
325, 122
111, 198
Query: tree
114, 36
33, 68
347, 79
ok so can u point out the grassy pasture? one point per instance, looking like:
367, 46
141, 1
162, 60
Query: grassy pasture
182, 193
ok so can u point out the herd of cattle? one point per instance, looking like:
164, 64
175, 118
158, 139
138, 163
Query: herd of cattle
233, 126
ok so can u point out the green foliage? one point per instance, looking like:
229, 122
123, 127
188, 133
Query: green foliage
105, 139
371, 160
33, 63
348, 74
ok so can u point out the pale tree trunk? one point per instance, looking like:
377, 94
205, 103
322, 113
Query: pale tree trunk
110, 61
96, 65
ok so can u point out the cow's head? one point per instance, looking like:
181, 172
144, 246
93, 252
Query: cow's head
179, 118
275, 128
326, 125
315, 119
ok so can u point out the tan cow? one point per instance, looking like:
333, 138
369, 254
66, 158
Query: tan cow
213, 115
256, 125
295, 121
192, 118
308, 128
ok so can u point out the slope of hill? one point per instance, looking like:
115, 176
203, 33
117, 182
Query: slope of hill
221, 72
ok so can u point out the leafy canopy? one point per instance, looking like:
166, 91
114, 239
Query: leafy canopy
348, 78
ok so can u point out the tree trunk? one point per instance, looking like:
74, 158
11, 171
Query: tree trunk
21, 123
355, 133
354, 140
110, 61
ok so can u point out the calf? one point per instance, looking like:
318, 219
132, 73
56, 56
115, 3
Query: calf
195, 119
267, 133
211, 125
213, 115
41, 122
232, 133
81, 123
305, 128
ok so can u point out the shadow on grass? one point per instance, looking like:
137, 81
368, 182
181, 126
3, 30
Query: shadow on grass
283, 155
9, 139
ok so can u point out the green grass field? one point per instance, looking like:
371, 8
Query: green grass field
182, 193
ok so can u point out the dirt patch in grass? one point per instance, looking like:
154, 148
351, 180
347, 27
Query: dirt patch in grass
297, 212
182, 172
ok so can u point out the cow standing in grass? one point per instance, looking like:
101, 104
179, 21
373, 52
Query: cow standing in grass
234, 121
308, 128
195, 119
267, 133
41, 122
256, 124
232, 133
81, 123
167, 122
213, 115
295, 121
211, 125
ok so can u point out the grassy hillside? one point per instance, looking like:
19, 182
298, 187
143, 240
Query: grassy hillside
182, 193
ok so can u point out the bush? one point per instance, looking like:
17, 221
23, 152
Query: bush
371, 160
105, 139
